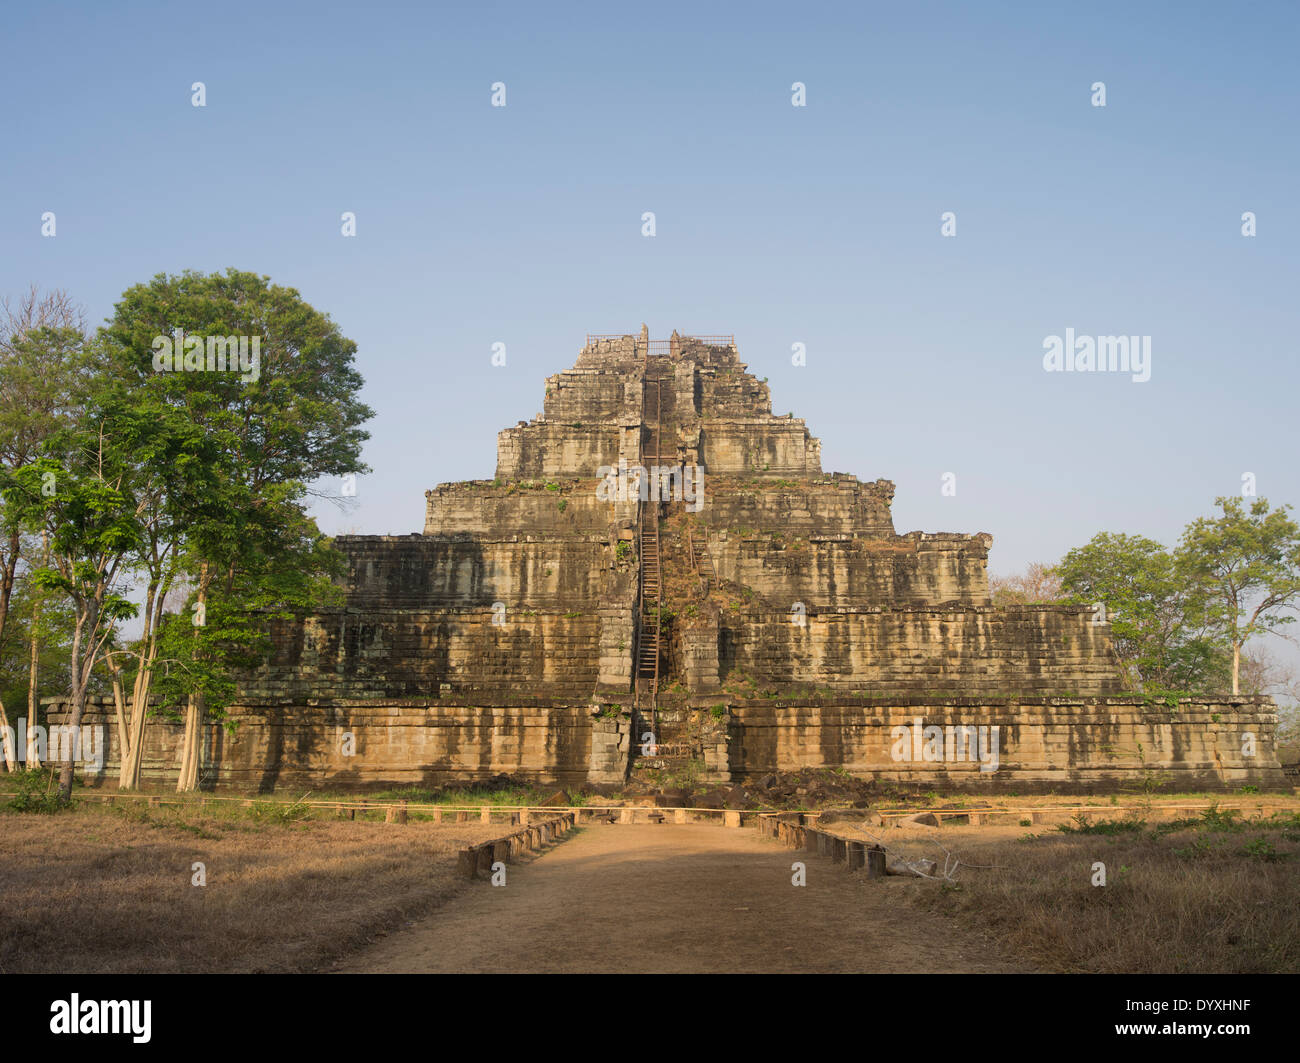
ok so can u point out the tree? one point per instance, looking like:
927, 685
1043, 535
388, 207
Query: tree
279, 425
1038, 584
1248, 562
34, 647
41, 337
177, 462
85, 504
1163, 630
284, 570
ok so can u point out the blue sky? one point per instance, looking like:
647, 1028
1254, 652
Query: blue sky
818, 225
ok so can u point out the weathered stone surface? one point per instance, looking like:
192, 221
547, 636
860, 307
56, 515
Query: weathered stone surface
799, 629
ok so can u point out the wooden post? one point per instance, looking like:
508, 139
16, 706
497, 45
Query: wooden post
485, 816
875, 862
857, 856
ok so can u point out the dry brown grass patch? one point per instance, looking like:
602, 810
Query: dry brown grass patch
1192, 899
98, 890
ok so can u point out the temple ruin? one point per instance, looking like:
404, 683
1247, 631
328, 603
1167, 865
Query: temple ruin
661, 573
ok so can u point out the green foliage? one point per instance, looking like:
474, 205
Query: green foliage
237, 452
1261, 849
1247, 563
279, 811
1162, 630
34, 793
1083, 825
623, 550
285, 574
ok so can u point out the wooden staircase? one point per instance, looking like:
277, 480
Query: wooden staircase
649, 647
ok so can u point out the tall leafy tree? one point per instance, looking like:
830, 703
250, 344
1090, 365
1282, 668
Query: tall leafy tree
41, 368
279, 425
1247, 560
83, 499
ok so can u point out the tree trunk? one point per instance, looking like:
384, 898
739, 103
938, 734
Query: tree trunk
1236, 665
33, 703
191, 743
79, 684
10, 753
69, 765
131, 756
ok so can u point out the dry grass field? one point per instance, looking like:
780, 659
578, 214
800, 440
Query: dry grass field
1207, 893
99, 889
108, 888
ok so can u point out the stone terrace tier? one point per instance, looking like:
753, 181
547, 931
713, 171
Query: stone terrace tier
719, 415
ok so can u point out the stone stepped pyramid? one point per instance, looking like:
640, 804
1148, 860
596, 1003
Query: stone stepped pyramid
796, 627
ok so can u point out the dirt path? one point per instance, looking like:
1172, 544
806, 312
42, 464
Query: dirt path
680, 898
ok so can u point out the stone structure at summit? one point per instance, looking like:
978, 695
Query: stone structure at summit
752, 613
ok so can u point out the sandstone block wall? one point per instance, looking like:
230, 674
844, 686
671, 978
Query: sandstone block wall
394, 742
974, 651
481, 510
427, 653
422, 571
821, 572
822, 507
759, 447
545, 450
1074, 745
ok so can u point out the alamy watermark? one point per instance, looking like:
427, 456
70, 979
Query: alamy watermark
1098, 354
179, 353
919, 743
659, 483
84, 745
